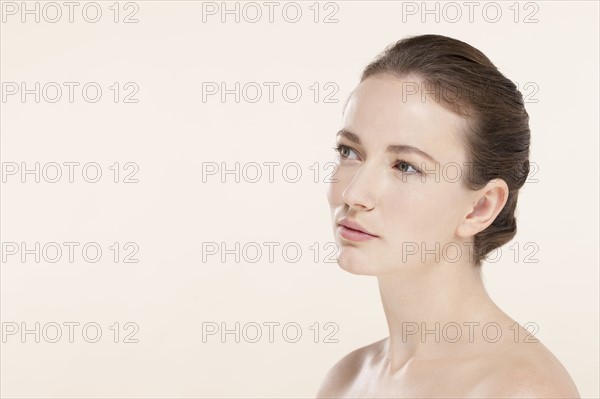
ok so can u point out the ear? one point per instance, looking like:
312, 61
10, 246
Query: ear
487, 204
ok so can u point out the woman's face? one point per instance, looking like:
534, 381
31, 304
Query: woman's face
399, 196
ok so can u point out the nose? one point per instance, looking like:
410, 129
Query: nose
360, 193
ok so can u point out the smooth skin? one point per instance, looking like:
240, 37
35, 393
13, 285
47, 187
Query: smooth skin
412, 205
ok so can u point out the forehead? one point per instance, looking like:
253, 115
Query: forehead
384, 110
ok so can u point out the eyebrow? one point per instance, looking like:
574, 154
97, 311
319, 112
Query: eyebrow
394, 149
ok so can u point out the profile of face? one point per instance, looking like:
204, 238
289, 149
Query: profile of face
388, 182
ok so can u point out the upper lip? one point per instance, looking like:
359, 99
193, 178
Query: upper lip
351, 224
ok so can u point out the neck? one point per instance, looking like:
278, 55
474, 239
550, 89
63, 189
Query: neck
427, 306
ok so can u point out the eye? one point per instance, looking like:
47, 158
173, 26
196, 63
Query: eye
405, 167
343, 151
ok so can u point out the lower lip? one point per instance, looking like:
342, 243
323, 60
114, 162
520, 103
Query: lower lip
354, 235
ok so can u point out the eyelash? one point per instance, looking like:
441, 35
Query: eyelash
340, 147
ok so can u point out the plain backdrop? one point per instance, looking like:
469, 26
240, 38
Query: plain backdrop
174, 218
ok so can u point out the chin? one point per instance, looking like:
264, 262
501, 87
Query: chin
356, 263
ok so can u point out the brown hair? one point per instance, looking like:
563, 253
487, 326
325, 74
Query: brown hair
498, 139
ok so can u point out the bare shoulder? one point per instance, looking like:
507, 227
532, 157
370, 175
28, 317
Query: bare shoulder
527, 370
347, 369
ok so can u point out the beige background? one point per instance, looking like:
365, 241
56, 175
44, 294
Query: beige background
170, 132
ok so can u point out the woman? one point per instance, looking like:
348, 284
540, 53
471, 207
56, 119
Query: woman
432, 153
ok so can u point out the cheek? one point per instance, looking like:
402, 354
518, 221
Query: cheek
406, 217
435, 213
417, 213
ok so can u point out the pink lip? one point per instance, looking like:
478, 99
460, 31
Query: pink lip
353, 231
